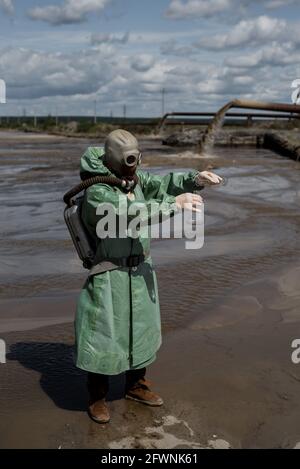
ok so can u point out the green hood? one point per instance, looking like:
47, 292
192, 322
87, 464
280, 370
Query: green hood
92, 163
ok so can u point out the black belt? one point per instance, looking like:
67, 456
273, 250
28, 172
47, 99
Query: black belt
114, 263
131, 261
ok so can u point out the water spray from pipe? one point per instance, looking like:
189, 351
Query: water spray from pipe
207, 142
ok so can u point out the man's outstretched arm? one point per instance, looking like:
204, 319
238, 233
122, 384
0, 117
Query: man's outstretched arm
174, 184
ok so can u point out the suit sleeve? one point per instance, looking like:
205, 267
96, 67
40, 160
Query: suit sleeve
170, 185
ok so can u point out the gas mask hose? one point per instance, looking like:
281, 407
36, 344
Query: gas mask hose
124, 183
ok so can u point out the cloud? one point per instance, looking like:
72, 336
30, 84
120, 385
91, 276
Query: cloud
246, 33
7, 6
142, 62
272, 4
52, 74
74, 80
109, 38
135, 74
191, 9
87, 73
274, 55
178, 9
130, 78
173, 48
69, 12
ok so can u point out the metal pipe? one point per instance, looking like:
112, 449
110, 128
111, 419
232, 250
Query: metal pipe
240, 104
204, 118
281, 107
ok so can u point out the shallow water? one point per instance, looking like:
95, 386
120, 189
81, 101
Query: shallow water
37, 257
234, 305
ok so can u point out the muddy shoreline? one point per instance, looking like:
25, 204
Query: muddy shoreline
229, 311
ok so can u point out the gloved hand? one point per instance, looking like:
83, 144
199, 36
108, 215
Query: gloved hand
189, 201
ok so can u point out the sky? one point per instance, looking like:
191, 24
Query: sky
63, 55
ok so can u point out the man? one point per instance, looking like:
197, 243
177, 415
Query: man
118, 318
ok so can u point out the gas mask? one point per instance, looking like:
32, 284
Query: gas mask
122, 154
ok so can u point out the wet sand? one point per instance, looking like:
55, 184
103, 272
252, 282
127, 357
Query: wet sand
229, 311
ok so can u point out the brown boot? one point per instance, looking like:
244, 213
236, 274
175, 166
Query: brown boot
98, 411
141, 392
98, 388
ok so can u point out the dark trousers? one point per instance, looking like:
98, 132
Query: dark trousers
98, 384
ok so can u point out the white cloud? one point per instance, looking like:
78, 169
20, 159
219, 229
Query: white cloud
274, 55
247, 33
191, 9
109, 38
135, 74
53, 74
142, 62
178, 9
100, 72
115, 78
154, 38
70, 11
7, 6
173, 48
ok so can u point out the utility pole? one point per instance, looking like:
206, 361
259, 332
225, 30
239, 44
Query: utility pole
56, 116
95, 111
124, 111
163, 94
18, 114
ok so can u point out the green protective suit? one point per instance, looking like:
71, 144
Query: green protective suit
118, 317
